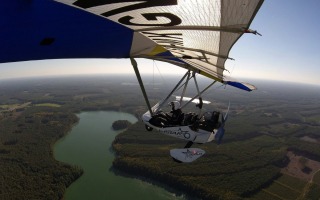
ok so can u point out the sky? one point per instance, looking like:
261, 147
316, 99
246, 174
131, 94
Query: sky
288, 50
289, 47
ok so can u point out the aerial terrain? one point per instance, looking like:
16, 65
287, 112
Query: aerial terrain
270, 149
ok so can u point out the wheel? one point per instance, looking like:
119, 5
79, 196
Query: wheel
149, 128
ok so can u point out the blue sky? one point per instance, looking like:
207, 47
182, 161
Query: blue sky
288, 50
289, 47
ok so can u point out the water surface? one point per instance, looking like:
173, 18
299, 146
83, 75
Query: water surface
88, 145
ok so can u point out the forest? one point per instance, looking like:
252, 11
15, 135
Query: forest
120, 124
28, 169
263, 127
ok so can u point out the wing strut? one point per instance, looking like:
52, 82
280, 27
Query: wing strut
199, 94
205, 89
162, 102
136, 70
179, 85
184, 89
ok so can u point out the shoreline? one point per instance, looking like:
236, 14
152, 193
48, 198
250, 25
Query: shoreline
176, 192
152, 183
118, 172
65, 133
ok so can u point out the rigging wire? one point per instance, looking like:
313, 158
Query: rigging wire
153, 77
233, 67
164, 82
154, 65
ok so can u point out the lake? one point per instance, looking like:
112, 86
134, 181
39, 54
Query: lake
88, 145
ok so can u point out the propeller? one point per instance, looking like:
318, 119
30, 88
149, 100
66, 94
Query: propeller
221, 130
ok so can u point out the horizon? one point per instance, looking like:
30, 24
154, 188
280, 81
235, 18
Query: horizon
78, 67
159, 77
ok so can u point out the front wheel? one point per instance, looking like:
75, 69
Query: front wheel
148, 128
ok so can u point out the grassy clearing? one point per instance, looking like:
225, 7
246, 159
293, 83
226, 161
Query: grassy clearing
11, 107
48, 105
7, 106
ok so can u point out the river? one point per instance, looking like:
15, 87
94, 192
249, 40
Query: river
88, 145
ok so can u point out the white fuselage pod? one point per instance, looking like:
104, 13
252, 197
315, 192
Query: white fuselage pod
183, 132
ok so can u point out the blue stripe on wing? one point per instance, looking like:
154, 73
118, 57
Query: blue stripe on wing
239, 85
44, 29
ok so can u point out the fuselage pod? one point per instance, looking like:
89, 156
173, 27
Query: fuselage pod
186, 128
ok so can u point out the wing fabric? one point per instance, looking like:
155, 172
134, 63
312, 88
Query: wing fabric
189, 33
45, 29
196, 34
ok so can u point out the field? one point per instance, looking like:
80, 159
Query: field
289, 187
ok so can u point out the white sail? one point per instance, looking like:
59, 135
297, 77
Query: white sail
198, 33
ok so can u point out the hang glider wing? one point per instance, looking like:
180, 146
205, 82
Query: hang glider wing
195, 34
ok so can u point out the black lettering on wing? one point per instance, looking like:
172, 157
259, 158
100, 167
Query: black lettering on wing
173, 39
174, 20
177, 36
174, 43
126, 8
